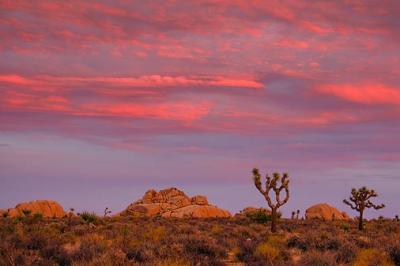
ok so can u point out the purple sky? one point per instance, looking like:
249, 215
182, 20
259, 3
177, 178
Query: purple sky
102, 100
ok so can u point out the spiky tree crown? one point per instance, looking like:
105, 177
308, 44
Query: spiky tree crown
361, 199
276, 183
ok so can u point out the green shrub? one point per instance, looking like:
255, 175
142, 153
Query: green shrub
89, 217
261, 216
26, 212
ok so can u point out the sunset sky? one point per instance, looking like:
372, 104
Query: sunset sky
102, 100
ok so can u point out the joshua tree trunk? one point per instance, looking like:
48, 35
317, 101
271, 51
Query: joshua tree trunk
273, 220
360, 221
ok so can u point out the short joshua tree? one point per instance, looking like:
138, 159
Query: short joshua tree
293, 215
359, 200
106, 211
297, 214
277, 184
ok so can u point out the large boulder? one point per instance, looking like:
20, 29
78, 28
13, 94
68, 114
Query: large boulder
173, 202
197, 211
48, 208
325, 212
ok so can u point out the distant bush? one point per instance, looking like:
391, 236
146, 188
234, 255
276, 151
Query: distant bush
200, 248
371, 257
37, 217
267, 251
394, 252
346, 253
26, 212
297, 242
261, 216
314, 258
89, 217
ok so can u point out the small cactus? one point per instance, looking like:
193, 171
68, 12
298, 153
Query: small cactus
359, 200
277, 184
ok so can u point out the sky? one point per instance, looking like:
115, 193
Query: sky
103, 100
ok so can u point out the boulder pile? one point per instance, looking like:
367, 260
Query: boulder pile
172, 202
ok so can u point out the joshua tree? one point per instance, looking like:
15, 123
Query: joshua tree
361, 200
293, 215
397, 218
106, 211
297, 214
272, 183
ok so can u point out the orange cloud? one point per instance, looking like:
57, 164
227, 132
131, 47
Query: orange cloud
366, 94
182, 111
141, 81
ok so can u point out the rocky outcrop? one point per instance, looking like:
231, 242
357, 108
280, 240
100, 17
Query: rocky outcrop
173, 202
325, 212
48, 208
199, 200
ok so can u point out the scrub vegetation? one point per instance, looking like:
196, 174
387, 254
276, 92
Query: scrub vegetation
240, 240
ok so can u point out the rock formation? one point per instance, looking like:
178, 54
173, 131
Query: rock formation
325, 212
173, 202
47, 208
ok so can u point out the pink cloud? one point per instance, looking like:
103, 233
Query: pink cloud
182, 111
142, 81
371, 93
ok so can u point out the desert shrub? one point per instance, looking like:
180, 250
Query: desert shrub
315, 258
89, 217
325, 242
139, 254
274, 249
36, 241
26, 212
246, 249
261, 216
155, 234
267, 251
91, 246
297, 242
37, 217
372, 257
346, 227
346, 253
201, 248
173, 262
394, 252
54, 251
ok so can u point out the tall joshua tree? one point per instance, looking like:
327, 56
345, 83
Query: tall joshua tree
360, 199
277, 184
